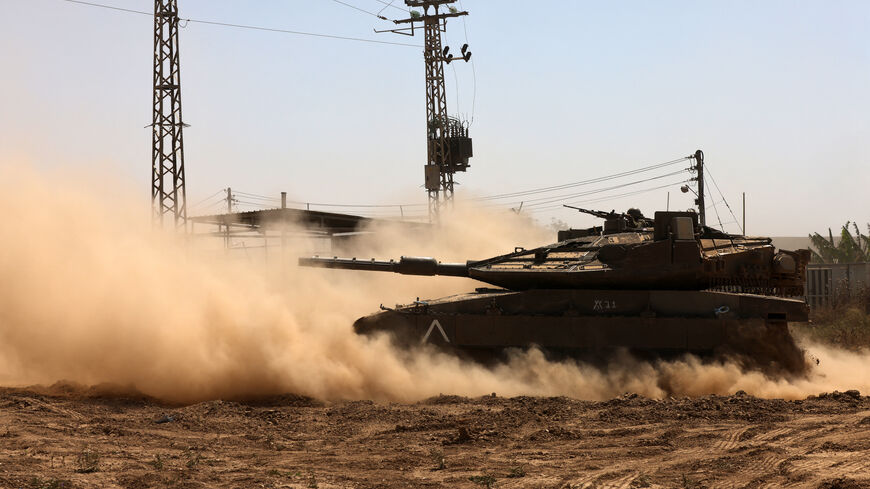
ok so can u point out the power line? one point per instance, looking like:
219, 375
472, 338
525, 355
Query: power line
200, 202
545, 201
111, 7
562, 198
386, 6
301, 33
473, 72
363, 205
256, 196
208, 205
608, 197
360, 9
716, 210
249, 195
582, 182
390, 4
534, 202
249, 27
723, 199
456, 80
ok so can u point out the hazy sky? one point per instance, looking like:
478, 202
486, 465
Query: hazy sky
776, 93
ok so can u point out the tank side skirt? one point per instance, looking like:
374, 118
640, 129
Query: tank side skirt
583, 319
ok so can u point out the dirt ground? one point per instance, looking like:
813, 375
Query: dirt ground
71, 437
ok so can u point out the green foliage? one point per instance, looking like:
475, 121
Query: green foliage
853, 246
846, 325
415, 14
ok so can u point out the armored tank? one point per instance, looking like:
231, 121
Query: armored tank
663, 285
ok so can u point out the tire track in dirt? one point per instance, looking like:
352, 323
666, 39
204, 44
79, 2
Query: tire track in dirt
732, 439
836, 463
756, 468
764, 464
584, 482
620, 483
604, 480
770, 435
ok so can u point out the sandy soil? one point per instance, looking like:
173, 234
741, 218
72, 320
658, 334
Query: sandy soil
70, 437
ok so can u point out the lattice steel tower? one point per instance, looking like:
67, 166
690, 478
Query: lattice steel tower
447, 142
168, 195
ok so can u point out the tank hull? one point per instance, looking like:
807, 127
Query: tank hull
656, 321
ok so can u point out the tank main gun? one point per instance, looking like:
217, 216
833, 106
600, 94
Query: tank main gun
407, 265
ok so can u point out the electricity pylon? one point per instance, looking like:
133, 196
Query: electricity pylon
447, 142
168, 194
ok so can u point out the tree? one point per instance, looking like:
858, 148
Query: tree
849, 248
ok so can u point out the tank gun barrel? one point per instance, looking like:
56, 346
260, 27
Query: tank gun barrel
407, 265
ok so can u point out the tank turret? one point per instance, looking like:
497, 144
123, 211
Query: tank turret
668, 252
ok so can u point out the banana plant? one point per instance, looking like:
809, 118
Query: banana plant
851, 247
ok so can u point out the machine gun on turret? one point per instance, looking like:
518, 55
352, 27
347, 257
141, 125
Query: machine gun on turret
598, 214
618, 222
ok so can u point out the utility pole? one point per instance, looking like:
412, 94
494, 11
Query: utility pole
227, 220
448, 146
283, 232
699, 168
168, 194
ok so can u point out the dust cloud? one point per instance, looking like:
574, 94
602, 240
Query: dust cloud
90, 293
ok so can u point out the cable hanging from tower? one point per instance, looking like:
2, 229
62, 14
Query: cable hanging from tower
607, 197
361, 9
708, 173
248, 27
390, 4
473, 72
581, 182
562, 198
490, 201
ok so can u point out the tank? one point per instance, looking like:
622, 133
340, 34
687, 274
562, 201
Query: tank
664, 285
